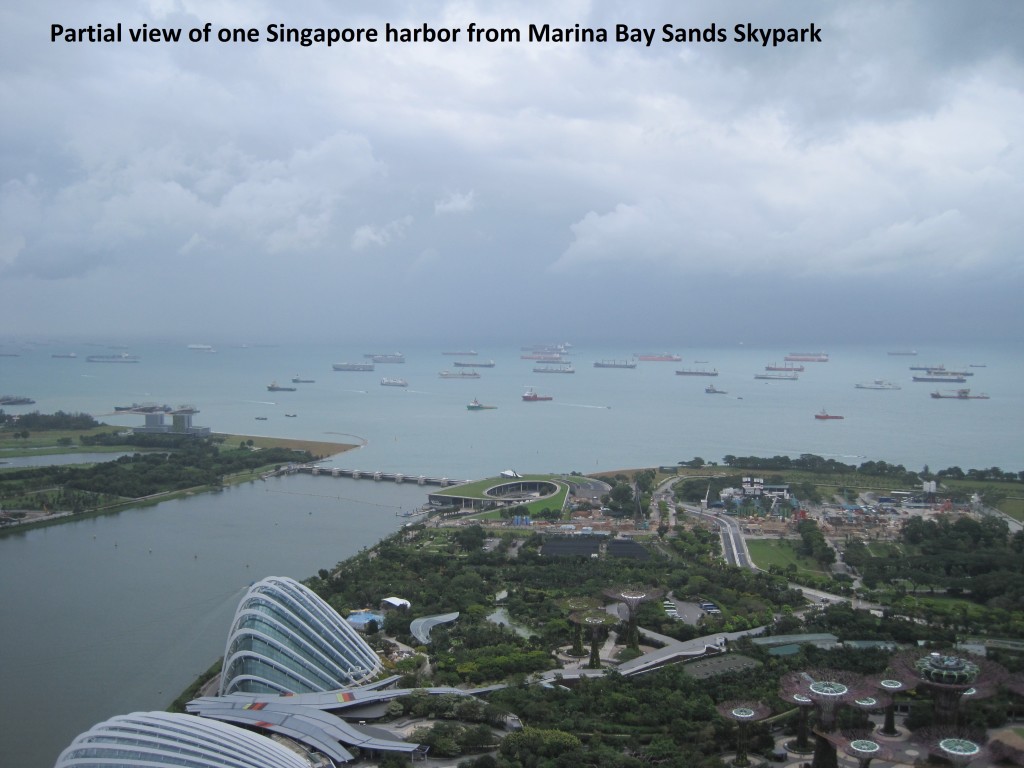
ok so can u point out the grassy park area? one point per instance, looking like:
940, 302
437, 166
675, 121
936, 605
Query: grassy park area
781, 553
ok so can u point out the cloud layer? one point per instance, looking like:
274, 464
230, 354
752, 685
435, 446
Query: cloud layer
889, 152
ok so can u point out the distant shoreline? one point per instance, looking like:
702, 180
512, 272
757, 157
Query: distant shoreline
321, 448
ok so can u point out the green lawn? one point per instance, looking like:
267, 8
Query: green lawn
768, 552
884, 549
477, 488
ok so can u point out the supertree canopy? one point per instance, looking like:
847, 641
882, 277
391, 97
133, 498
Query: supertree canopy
947, 676
861, 747
959, 746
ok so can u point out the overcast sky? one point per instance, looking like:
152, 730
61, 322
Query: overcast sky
864, 188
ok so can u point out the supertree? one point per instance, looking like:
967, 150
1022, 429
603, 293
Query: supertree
595, 619
959, 746
886, 688
860, 746
742, 713
791, 692
947, 677
828, 690
575, 605
633, 597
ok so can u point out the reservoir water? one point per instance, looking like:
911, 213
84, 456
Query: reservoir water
119, 613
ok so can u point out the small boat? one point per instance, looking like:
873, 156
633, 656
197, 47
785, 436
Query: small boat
261, 418
713, 390
290, 415
298, 380
825, 415
386, 382
532, 397
960, 394
275, 387
476, 405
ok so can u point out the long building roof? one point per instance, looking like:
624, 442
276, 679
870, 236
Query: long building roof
313, 727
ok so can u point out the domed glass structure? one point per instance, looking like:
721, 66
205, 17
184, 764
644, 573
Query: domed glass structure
169, 739
285, 639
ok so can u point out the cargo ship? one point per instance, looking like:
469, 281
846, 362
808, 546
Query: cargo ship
386, 382
806, 357
785, 367
461, 353
614, 364
696, 372
391, 357
476, 405
564, 368
275, 387
960, 394
532, 397
658, 358
934, 379
904, 352
469, 364
877, 384
124, 357
459, 375
544, 357
353, 366
777, 376
712, 390
64, 355
299, 380
825, 415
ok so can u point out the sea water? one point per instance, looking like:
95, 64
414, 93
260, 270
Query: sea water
599, 419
